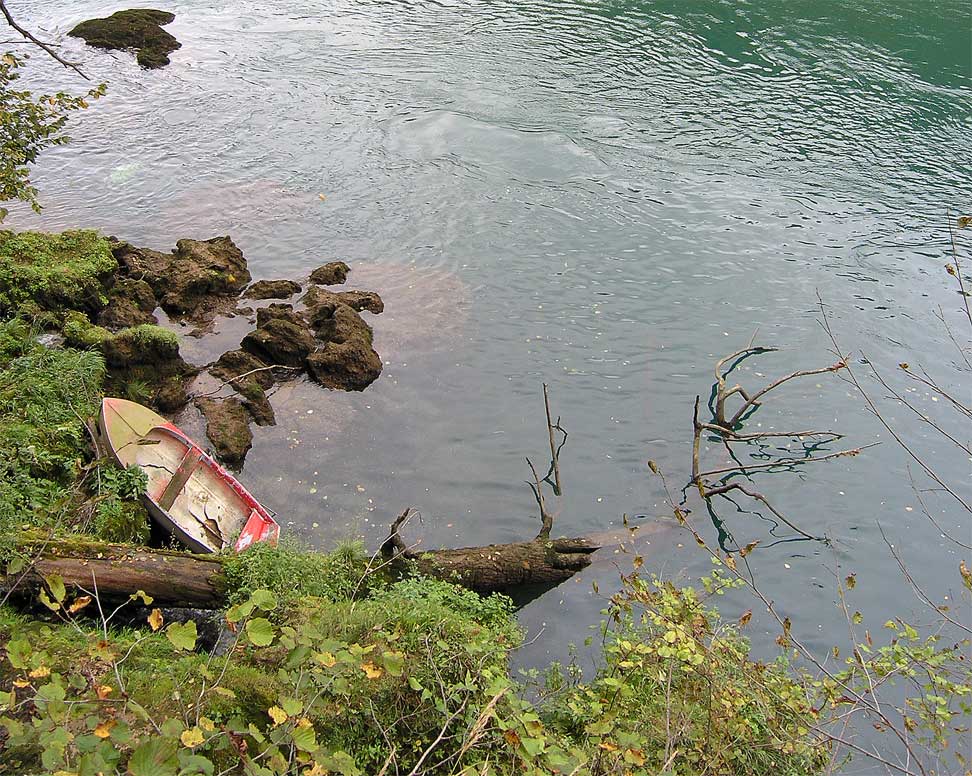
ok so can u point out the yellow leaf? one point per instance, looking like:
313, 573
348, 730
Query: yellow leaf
731, 562
21, 683
371, 670
207, 724
278, 715
851, 581
79, 604
326, 659
638, 562
40, 672
104, 729
966, 575
608, 746
746, 617
192, 737
634, 756
155, 619
104, 690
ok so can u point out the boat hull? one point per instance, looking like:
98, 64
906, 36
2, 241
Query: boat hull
189, 494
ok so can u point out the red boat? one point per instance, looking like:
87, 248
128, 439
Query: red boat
188, 493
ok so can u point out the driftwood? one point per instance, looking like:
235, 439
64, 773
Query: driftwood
182, 579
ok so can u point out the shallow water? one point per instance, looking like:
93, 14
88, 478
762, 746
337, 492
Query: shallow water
604, 196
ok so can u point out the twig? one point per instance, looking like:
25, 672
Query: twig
546, 519
223, 384
958, 267
46, 47
554, 450
918, 591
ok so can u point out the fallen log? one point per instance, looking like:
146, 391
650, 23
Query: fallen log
182, 579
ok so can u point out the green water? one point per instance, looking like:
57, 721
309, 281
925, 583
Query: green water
604, 196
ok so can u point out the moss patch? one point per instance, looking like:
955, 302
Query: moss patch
137, 28
55, 271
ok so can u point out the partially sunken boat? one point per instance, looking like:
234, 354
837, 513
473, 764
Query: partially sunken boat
188, 494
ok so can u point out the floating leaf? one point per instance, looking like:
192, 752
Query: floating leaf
260, 631
182, 635
748, 549
745, 618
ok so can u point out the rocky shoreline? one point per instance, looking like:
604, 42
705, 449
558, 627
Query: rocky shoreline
318, 332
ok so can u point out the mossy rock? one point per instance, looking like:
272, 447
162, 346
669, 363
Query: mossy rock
137, 28
145, 344
79, 332
46, 272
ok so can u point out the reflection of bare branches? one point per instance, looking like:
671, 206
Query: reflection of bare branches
728, 430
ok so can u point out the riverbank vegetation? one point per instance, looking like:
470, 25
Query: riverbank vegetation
321, 664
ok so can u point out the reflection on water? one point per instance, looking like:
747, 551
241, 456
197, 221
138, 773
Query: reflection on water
605, 196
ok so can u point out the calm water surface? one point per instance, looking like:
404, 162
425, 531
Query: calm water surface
606, 196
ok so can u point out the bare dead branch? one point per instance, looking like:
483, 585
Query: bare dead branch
754, 400
958, 267
554, 451
546, 519
223, 384
39, 43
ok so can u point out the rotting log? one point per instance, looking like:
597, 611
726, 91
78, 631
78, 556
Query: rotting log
182, 579
116, 571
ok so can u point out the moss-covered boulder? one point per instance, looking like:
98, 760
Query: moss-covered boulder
66, 271
281, 337
356, 300
144, 365
131, 302
272, 289
138, 29
198, 279
331, 274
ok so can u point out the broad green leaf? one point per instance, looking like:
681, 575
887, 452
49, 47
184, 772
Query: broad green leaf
182, 635
56, 585
46, 600
239, 612
154, 757
264, 599
394, 662
260, 631
304, 736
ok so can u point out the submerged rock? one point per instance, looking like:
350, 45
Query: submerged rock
234, 363
331, 274
347, 361
137, 28
272, 289
228, 428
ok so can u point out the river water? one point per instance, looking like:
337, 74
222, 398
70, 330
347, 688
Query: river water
606, 196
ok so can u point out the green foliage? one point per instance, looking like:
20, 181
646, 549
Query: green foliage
44, 394
292, 572
53, 271
80, 332
28, 125
119, 517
